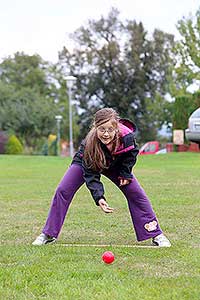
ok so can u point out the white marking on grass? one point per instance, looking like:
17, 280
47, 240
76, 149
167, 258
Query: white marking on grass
8, 264
107, 245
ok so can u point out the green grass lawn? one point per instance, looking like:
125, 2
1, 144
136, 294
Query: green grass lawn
27, 184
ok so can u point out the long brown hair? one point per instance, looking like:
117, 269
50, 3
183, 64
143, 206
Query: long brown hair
94, 156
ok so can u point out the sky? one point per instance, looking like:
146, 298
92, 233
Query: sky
43, 26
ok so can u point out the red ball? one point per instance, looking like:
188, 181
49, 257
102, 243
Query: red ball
108, 257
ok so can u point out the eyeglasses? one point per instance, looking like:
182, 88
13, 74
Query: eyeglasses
103, 130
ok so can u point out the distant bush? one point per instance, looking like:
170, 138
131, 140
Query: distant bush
41, 146
45, 149
3, 142
13, 145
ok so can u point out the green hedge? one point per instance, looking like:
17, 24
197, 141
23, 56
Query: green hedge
13, 145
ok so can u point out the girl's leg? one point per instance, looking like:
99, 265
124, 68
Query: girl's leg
70, 183
143, 217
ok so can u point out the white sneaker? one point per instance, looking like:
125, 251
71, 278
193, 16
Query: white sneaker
44, 239
161, 241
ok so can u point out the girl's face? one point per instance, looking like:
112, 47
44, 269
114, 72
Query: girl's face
106, 132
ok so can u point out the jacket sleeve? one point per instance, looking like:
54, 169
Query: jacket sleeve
127, 161
93, 183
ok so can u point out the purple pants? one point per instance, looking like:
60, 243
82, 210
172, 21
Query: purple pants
143, 217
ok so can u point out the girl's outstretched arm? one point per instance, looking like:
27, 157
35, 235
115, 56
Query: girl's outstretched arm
124, 181
104, 206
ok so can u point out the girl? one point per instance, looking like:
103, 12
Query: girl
109, 149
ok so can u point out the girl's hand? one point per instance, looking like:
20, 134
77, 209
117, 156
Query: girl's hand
123, 181
104, 206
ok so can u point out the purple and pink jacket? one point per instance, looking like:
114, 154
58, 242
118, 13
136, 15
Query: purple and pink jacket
120, 162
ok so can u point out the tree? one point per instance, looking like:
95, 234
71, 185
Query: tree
26, 97
118, 66
182, 109
26, 113
32, 92
187, 51
186, 71
22, 71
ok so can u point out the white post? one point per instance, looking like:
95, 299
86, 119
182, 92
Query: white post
58, 119
70, 80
